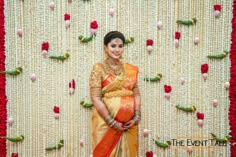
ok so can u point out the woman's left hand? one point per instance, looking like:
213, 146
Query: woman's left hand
129, 124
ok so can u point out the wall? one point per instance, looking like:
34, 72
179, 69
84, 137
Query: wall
30, 103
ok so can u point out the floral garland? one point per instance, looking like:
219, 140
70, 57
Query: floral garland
3, 98
232, 91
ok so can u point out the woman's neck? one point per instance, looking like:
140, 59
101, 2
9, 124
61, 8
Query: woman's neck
113, 62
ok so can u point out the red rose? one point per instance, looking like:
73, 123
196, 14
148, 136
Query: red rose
67, 17
167, 88
45, 46
200, 115
149, 42
72, 84
94, 25
204, 68
56, 109
217, 7
149, 154
177, 35
14, 155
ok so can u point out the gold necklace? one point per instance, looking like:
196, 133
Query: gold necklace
117, 70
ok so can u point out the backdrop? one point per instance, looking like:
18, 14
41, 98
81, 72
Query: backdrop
42, 103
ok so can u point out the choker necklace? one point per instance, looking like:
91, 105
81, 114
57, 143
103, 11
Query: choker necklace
113, 67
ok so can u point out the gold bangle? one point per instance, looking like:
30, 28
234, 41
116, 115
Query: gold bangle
108, 118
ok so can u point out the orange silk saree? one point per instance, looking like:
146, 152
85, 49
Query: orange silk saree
119, 100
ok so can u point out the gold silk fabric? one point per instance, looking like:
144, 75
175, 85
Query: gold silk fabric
117, 93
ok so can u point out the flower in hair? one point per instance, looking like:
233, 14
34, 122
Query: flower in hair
177, 37
44, 48
149, 44
167, 89
56, 111
67, 20
200, 117
217, 8
72, 87
204, 70
93, 27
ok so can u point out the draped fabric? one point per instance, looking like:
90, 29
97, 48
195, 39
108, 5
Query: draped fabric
118, 96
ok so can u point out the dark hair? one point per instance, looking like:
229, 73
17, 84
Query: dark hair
112, 35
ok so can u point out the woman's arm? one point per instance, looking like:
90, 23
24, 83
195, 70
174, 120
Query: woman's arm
102, 110
100, 106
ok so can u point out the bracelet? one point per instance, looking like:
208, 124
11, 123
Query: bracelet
136, 119
109, 119
114, 124
137, 113
137, 116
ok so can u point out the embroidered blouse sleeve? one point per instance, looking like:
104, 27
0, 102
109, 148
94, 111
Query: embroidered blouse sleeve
95, 81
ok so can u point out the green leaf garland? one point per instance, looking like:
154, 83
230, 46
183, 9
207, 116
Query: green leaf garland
162, 144
221, 140
154, 79
219, 56
129, 40
62, 58
186, 109
58, 146
187, 22
84, 39
16, 139
86, 105
15, 72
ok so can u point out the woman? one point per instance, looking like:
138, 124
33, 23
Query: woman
116, 98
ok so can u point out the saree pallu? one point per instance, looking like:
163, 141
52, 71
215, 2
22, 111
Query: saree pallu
119, 100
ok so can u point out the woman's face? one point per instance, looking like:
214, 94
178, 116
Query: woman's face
114, 48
